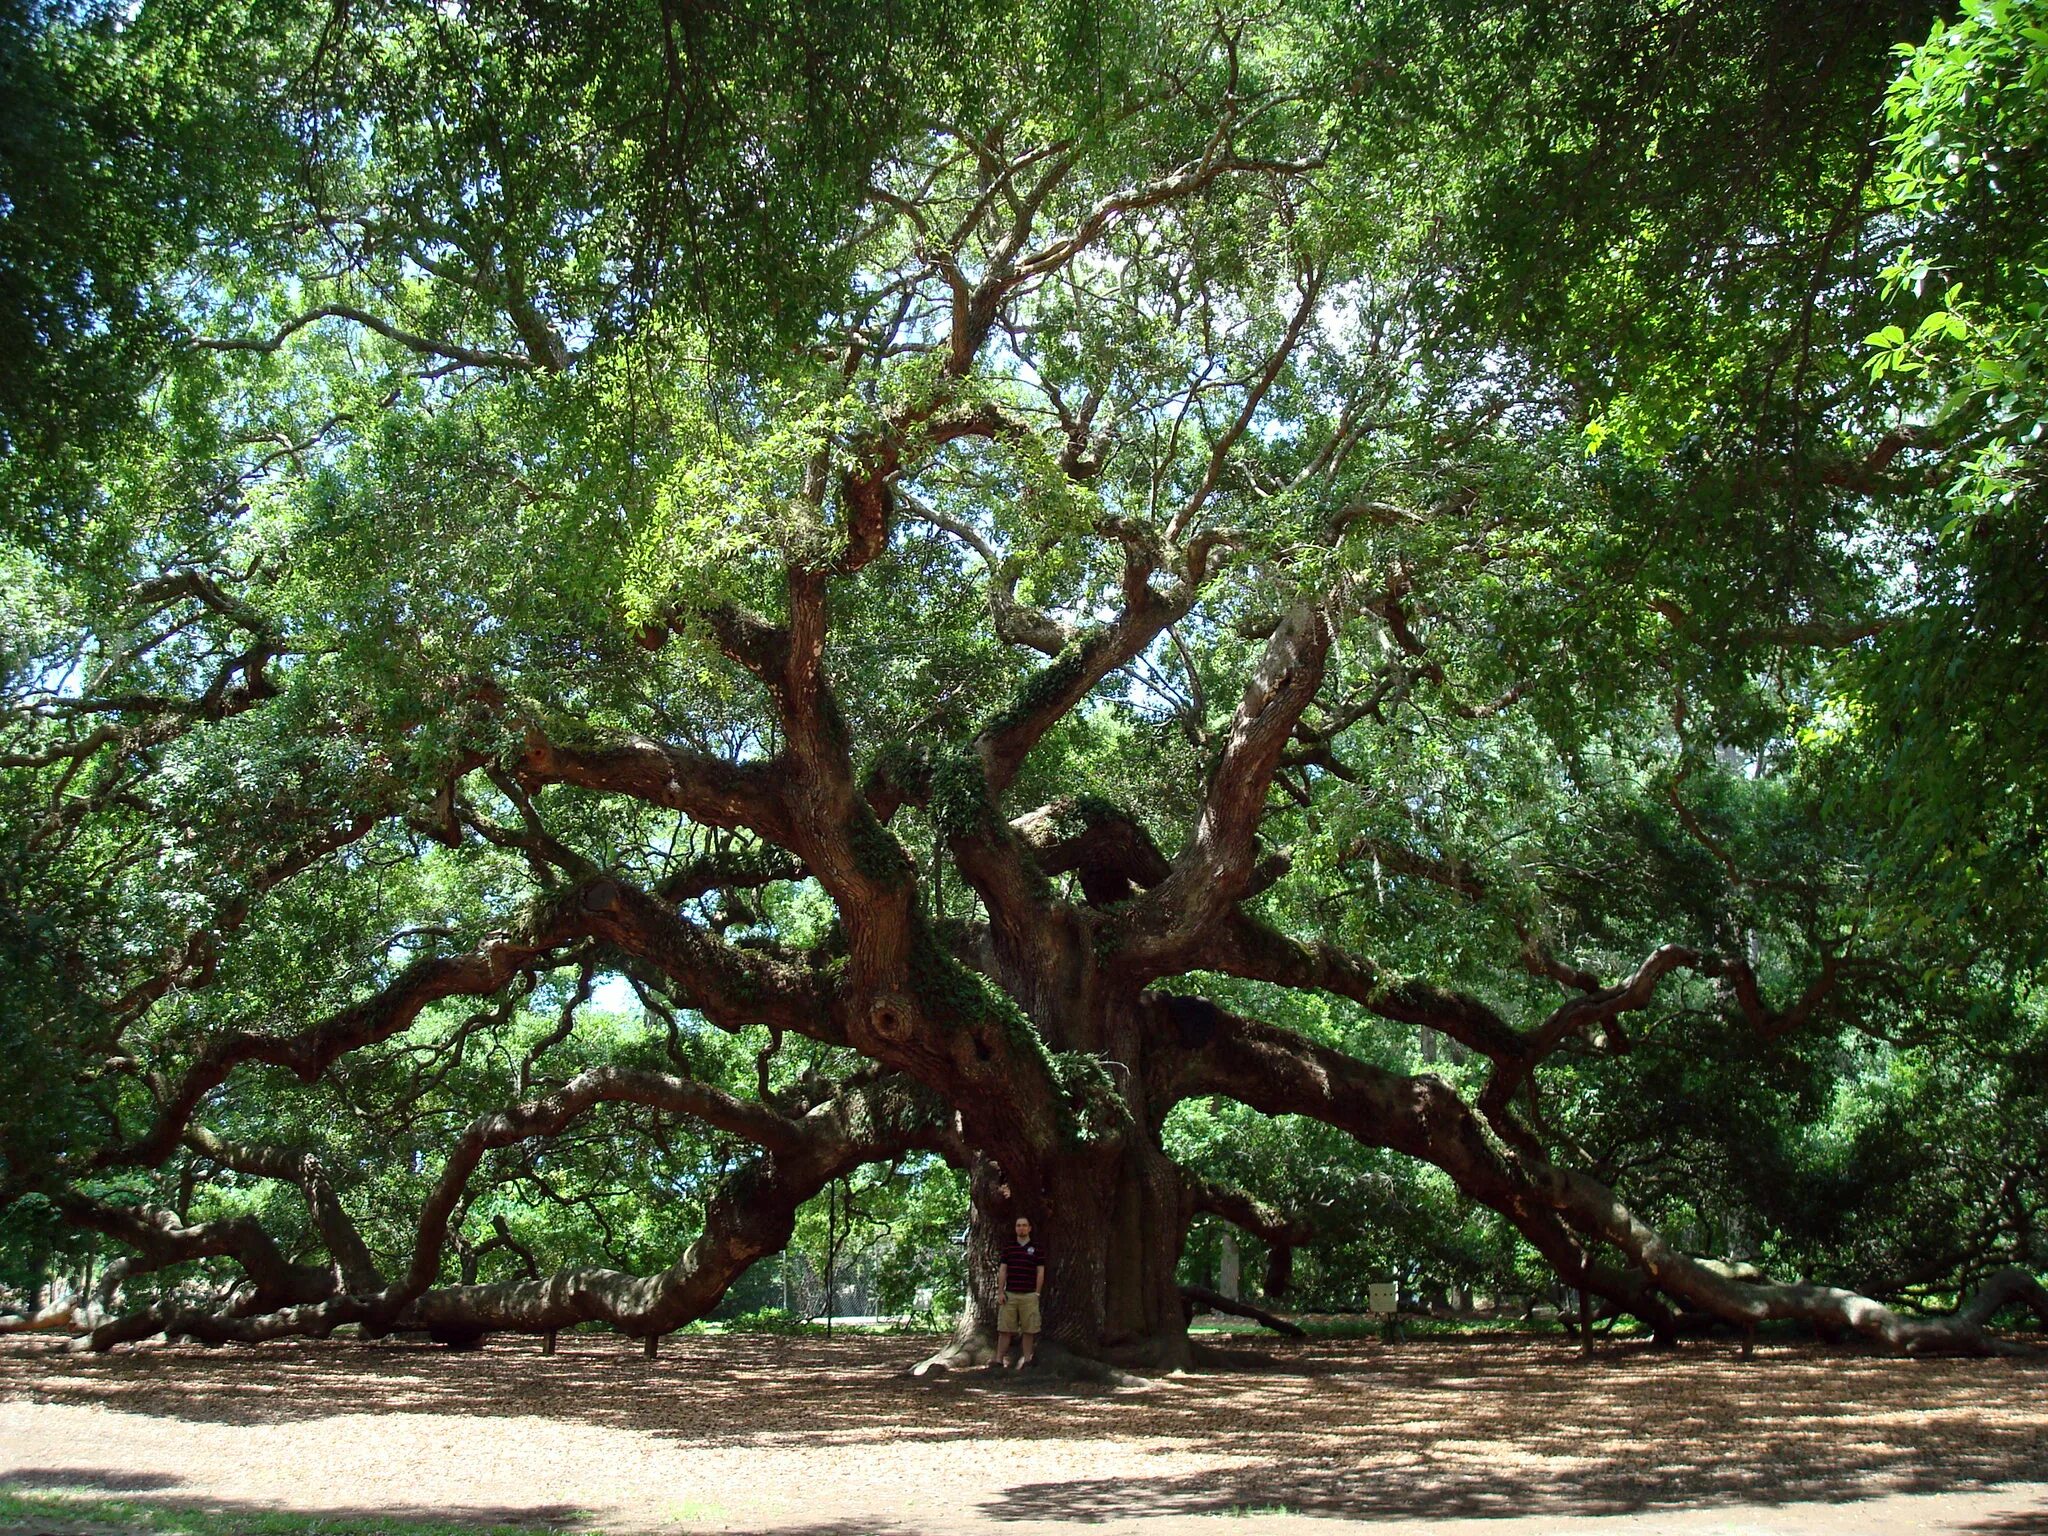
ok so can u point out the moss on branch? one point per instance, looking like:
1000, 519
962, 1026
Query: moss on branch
876, 853
960, 801
1047, 684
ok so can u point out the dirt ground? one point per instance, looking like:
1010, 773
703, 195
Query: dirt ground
757, 1434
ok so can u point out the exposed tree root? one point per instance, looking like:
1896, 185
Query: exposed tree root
974, 1350
1164, 1355
1057, 1362
965, 1351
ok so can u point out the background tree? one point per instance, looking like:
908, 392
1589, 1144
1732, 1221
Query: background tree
700, 601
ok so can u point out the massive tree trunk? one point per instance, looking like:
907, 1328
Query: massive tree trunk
1112, 1219
1111, 1207
1116, 1221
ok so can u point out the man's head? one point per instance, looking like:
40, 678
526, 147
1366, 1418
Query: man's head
1023, 1229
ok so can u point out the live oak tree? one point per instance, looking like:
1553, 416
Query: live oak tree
617, 613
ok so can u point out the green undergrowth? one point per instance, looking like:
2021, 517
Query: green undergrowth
1437, 1328
1365, 1327
1250, 1511
776, 1321
86, 1512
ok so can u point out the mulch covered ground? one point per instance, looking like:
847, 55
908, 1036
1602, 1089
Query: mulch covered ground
755, 1433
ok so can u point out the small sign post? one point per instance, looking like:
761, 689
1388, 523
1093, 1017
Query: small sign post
1383, 1301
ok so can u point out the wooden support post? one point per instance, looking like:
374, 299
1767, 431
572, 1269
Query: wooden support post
1585, 1322
653, 1345
547, 1342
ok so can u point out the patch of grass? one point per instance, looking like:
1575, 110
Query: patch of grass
57, 1510
698, 1512
776, 1321
1413, 1327
1508, 1325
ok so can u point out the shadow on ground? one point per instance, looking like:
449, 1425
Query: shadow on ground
59, 1502
58, 1499
2032, 1522
93, 1480
1343, 1428
1434, 1433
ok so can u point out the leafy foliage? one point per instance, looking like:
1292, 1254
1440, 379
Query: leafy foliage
448, 428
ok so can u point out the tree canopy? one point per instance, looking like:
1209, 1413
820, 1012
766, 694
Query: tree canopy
1414, 629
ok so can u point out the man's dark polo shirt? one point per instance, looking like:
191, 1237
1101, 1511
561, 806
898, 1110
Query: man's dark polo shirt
1021, 1263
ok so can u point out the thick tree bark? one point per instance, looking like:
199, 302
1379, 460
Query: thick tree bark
1112, 1219
1120, 1223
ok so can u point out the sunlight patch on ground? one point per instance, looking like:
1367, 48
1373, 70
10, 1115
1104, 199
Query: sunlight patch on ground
762, 1435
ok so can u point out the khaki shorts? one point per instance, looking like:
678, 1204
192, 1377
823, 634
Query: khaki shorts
1018, 1315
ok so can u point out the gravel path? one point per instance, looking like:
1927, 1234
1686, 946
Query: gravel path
755, 1434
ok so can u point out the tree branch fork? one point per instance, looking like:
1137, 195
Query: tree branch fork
976, 1051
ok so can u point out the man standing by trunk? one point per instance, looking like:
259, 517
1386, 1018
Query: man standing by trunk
1018, 1289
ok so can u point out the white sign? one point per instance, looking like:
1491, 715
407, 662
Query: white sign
1383, 1300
